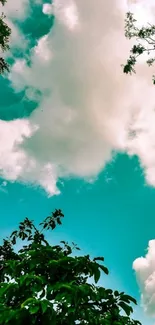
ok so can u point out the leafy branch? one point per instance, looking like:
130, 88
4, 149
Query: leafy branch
45, 284
145, 43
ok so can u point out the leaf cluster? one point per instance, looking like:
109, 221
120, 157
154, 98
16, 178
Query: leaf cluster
5, 33
145, 43
45, 284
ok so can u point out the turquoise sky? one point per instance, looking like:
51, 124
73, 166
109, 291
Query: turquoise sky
112, 216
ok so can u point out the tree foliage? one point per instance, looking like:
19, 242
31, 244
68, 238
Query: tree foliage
45, 284
5, 33
145, 43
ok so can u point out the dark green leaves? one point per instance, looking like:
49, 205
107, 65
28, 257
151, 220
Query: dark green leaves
128, 298
138, 49
144, 43
52, 221
128, 309
3, 2
5, 33
98, 259
97, 275
34, 309
44, 305
51, 286
104, 269
129, 67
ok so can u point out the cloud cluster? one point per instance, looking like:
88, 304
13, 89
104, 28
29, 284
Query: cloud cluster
16, 11
88, 107
145, 272
143, 11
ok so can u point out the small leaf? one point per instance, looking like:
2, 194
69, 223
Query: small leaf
97, 275
14, 240
13, 233
59, 221
34, 309
44, 305
27, 301
126, 308
109, 291
98, 259
43, 294
128, 298
104, 269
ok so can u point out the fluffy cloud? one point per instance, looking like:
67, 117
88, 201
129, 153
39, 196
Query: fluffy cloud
143, 10
15, 163
88, 108
15, 11
145, 272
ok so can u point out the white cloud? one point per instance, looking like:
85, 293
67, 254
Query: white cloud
16, 164
67, 12
143, 11
47, 9
17, 39
11, 136
16, 10
145, 272
88, 105
42, 50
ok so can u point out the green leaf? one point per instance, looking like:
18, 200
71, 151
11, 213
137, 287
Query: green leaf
97, 275
128, 309
13, 233
53, 263
43, 294
34, 309
66, 286
127, 298
59, 221
44, 305
104, 269
98, 258
27, 302
109, 291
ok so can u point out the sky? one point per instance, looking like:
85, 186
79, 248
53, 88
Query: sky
67, 113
